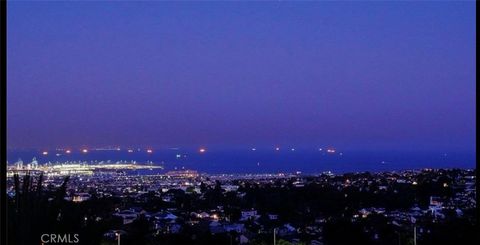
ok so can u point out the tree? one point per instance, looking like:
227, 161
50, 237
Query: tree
30, 211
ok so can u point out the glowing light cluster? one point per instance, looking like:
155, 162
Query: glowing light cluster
331, 150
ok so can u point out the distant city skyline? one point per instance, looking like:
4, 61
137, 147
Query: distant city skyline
356, 75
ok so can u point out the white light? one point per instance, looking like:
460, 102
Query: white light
331, 150
45, 153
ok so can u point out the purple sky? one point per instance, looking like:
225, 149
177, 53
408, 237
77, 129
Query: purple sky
395, 75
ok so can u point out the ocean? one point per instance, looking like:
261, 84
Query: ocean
263, 160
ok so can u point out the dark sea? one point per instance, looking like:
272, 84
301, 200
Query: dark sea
309, 161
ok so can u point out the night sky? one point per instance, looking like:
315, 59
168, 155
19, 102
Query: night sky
393, 75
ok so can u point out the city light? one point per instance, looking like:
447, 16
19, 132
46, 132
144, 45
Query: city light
84, 151
149, 151
277, 148
45, 153
130, 150
68, 151
202, 150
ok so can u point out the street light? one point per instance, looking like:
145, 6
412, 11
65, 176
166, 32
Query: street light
117, 234
414, 221
274, 236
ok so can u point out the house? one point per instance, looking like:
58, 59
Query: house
165, 216
286, 230
112, 234
316, 242
243, 239
250, 214
239, 228
174, 228
215, 227
165, 227
383, 187
435, 201
80, 197
416, 212
320, 220
203, 215
436, 206
272, 216
228, 188
128, 216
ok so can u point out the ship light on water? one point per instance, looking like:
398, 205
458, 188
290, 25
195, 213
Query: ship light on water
330, 150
